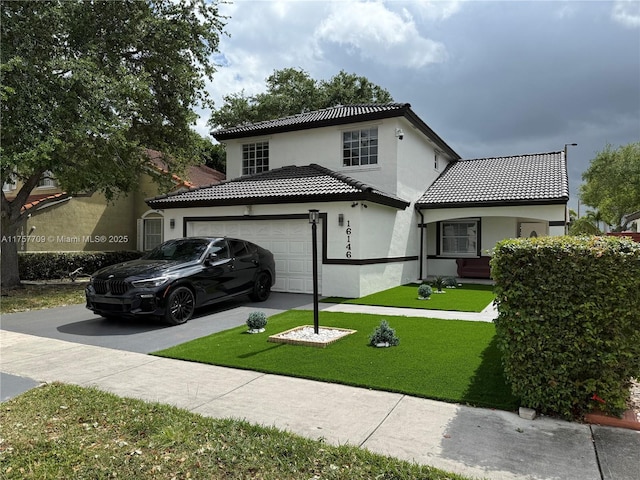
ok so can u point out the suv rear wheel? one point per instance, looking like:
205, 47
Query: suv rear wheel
261, 288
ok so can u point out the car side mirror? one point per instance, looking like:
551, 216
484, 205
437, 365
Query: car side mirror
211, 258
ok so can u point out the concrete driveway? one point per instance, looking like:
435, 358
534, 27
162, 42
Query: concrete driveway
77, 324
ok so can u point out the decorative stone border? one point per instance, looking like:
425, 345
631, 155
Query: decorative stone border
628, 420
292, 336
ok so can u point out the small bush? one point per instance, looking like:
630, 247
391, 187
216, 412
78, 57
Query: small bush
438, 283
450, 282
257, 320
569, 344
57, 265
424, 291
384, 334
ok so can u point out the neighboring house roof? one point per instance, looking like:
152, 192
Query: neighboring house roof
293, 184
338, 115
194, 176
631, 217
522, 179
43, 200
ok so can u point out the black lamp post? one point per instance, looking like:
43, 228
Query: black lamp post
566, 219
314, 217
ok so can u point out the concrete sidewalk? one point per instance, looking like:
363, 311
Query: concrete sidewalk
475, 442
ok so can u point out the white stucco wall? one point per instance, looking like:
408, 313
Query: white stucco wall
497, 223
377, 232
407, 178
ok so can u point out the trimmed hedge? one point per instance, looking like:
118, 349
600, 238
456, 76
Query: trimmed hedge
58, 265
569, 321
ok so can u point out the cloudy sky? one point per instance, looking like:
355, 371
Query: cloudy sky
492, 78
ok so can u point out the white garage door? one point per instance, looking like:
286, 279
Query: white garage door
288, 240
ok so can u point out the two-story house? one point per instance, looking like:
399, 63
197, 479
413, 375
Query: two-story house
397, 204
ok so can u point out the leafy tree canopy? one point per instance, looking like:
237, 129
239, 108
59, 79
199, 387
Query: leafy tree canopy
86, 86
612, 183
291, 91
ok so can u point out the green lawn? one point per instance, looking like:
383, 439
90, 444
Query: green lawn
468, 298
448, 360
69, 432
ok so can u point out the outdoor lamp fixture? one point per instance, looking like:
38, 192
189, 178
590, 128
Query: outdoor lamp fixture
172, 223
399, 133
565, 149
314, 218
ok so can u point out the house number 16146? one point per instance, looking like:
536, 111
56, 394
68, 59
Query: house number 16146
348, 231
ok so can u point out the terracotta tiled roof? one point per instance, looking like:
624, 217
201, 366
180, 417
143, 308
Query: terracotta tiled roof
293, 184
196, 175
521, 179
39, 200
338, 115
201, 175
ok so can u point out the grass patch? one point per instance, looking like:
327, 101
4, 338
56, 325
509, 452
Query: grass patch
61, 431
36, 297
448, 360
469, 298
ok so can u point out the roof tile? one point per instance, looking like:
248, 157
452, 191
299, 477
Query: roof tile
516, 179
286, 184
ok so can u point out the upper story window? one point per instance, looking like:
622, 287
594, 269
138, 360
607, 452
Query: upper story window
435, 159
360, 147
47, 180
255, 158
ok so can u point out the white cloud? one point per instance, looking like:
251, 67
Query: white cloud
626, 12
379, 34
436, 9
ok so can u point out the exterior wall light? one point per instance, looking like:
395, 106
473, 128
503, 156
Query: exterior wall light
314, 216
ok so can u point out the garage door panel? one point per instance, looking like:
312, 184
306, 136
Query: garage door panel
288, 240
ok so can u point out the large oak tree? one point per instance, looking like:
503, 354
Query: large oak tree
87, 85
291, 91
612, 184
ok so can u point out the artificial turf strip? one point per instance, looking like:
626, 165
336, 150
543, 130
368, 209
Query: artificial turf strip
450, 360
468, 298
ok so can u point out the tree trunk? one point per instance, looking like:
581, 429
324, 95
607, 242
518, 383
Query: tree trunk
10, 277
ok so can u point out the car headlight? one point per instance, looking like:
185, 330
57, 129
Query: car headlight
150, 282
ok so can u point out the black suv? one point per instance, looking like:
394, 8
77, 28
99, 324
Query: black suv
180, 275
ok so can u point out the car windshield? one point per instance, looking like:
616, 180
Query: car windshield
179, 250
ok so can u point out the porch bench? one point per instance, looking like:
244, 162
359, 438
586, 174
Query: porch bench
474, 267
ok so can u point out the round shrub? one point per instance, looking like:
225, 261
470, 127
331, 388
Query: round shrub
256, 320
450, 282
384, 335
424, 291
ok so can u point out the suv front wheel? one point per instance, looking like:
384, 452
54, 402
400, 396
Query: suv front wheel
180, 306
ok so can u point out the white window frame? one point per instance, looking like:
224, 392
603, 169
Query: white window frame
472, 237
255, 157
360, 147
143, 241
436, 157
47, 181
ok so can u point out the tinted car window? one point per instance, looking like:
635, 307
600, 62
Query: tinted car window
185, 251
220, 249
238, 248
